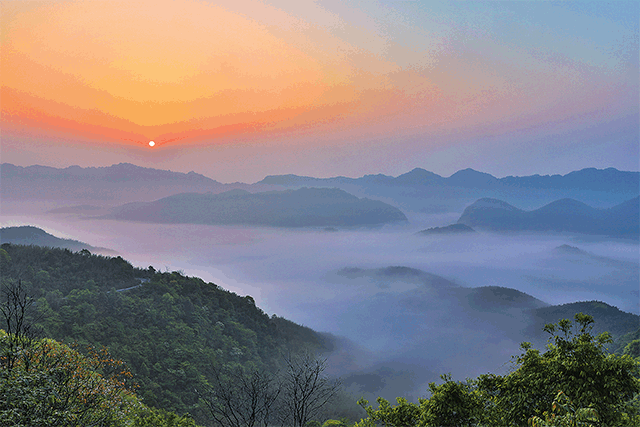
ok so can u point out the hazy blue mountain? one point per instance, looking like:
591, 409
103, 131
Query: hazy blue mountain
423, 320
472, 179
449, 229
609, 179
306, 207
592, 179
120, 183
607, 318
566, 215
415, 177
383, 277
496, 298
29, 235
418, 190
422, 191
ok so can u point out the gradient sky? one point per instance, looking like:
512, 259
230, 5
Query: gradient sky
240, 89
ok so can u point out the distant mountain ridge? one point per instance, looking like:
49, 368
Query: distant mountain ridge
565, 215
121, 182
609, 179
306, 207
116, 172
417, 190
29, 235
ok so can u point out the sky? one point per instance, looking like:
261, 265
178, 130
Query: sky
237, 90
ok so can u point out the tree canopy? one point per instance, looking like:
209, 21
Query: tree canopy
574, 381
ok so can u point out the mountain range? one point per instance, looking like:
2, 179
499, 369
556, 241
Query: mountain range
418, 190
565, 215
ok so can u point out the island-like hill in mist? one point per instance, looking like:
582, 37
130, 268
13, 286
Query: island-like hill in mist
418, 190
305, 207
29, 235
438, 325
566, 215
449, 229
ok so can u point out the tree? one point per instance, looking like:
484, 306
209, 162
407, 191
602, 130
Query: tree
575, 363
452, 404
403, 414
603, 387
63, 387
238, 398
564, 414
15, 308
305, 389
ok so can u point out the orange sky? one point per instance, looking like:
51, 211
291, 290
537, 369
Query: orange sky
114, 74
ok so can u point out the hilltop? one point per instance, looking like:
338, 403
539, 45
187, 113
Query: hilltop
565, 215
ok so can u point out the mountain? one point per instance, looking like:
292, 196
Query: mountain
607, 318
306, 207
449, 229
121, 182
170, 329
28, 235
422, 191
470, 178
566, 215
592, 179
422, 320
417, 191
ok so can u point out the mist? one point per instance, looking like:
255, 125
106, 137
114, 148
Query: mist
398, 327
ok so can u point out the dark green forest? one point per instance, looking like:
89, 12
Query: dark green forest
170, 329
104, 343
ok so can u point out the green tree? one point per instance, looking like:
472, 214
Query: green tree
61, 387
452, 404
403, 414
564, 414
576, 363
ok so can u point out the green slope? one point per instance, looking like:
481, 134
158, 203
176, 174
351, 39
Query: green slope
170, 329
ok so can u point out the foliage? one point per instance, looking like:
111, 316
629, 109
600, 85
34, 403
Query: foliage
576, 363
452, 404
168, 328
565, 415
342, 422
604, 387
403, 414
61, 387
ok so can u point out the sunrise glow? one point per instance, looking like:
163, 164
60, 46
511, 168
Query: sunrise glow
253, 79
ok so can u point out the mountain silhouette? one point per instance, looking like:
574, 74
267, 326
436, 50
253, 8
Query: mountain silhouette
306, 207
29, 235
565, 215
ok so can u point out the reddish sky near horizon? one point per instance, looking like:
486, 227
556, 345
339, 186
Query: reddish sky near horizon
241, 89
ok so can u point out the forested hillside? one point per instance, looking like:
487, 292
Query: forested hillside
191, 346
171, 330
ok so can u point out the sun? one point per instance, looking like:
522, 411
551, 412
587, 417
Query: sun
151, 143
